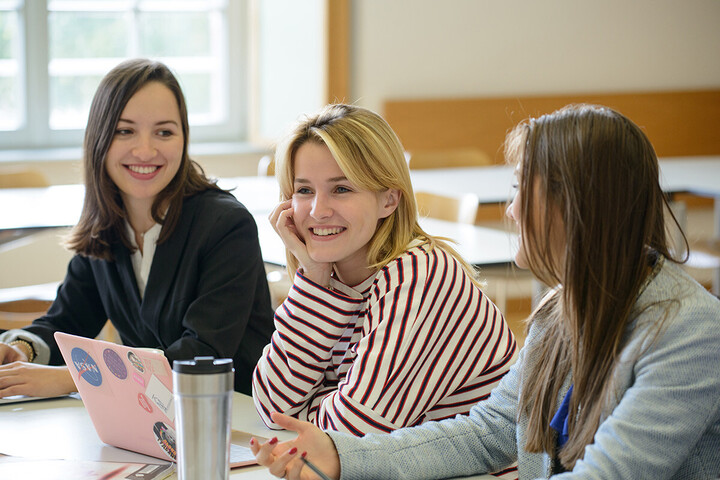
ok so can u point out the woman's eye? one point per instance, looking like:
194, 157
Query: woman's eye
303, 190
123, 131
341, 189
166, 133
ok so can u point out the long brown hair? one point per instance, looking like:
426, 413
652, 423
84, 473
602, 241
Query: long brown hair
598, 170
371, 156
103, 215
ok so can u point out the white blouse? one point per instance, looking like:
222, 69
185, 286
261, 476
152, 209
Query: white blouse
142, 261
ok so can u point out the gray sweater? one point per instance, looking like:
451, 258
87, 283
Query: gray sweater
664, 425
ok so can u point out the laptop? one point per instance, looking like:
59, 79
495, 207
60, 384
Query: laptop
128, 394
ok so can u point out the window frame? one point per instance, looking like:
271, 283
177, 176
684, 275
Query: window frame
33, 74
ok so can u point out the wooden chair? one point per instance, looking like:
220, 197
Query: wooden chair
266, 166
19, 306
279, 283
705, 255
20, 313
453, 208
22, 178
451, 158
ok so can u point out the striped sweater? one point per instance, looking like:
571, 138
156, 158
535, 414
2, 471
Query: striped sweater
418, 341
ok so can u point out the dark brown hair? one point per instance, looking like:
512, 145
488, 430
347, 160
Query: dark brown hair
102, 219
598, 170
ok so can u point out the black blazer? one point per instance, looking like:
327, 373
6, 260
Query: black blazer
206, 294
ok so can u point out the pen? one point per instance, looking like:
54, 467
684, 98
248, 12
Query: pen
315, 469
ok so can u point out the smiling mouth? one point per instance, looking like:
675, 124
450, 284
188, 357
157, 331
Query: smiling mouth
144, 170
324, 232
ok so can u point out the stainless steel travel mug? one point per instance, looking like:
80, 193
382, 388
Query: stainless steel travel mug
203, 412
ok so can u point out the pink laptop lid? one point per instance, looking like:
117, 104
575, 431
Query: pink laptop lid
126, 391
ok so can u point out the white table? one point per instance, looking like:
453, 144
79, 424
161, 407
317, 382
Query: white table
60, 206
62, 429
696, 175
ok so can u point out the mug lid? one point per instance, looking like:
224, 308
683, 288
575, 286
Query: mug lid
200, 365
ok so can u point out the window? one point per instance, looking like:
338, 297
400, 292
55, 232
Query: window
53, 54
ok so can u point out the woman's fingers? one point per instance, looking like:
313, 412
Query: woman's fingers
263, 451
287, 422
279, 208
281, 467
278, 458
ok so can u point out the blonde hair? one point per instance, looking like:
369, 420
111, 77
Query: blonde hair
371, 156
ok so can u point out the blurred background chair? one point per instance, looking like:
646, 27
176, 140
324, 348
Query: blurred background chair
279, 283
266, 166
22, 178
450, 158
452, 208
19, 306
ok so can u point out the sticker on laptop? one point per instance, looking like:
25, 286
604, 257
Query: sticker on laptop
158, 367
161, 396
136, 362
165, 437
144, 402
139, 379
115, 364
86, 366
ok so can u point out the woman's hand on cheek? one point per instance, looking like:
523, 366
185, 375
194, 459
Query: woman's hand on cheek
281, 218
282, 221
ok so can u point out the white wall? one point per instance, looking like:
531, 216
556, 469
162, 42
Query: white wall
459, 48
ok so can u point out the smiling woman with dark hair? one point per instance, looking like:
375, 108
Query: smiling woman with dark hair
169, 258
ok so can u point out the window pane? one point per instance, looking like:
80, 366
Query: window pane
197, 88
181, 34
9, 103
8, 34
10, 91
88, 35
70, 98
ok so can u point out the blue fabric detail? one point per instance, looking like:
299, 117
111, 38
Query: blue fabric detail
559, 422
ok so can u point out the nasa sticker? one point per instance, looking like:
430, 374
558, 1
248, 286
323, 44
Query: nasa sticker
136, 362
115, 364
165, 437
86, 366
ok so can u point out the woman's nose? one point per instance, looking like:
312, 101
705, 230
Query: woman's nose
144, 150
509, 210
320, 207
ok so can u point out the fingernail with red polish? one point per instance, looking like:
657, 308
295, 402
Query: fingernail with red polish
252, 441
304, 454
273, 441
293, 451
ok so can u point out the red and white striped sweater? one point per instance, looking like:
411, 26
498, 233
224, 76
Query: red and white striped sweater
416, 342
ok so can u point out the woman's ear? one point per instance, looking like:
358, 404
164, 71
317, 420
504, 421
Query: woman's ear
389, 201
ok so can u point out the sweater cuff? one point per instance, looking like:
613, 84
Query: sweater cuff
42, 350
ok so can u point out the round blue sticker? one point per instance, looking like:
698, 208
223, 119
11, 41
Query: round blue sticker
86, 366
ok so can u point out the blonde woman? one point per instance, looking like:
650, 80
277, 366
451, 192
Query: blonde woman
385, 326
619, 374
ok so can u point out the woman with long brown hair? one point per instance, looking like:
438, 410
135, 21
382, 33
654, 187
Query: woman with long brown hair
169, 258
619, 374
